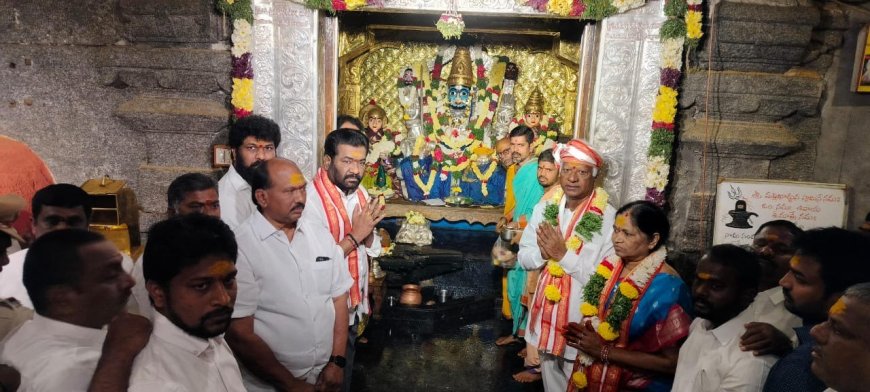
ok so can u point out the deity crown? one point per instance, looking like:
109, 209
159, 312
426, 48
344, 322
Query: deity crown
461, 72
535, 103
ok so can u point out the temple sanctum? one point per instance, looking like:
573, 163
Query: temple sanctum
478, 118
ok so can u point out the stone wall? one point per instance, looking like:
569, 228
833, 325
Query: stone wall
134, 89
757, 104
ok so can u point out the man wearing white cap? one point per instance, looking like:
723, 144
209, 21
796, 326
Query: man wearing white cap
569, 233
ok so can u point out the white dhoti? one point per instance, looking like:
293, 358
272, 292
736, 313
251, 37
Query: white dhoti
556, 371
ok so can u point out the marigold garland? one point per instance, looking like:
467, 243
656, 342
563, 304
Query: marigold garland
582, 231
552, 293
579, 380
555, 269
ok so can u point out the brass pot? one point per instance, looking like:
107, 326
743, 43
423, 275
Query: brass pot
411, 295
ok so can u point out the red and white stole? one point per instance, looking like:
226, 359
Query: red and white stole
544, 308
339, 225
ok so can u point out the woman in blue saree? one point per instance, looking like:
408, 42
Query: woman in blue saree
635, 310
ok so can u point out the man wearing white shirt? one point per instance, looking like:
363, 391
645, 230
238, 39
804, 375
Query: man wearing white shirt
191, 193
726, 281
189, 267
541, 242
253, 139
77, 284
289, 328
337, 203
55, 207
772, 328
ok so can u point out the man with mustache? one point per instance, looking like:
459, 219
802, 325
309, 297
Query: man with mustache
772, 328
191, 193
548, 177
289, 327
726, 281
841, 357
253, 139
190, 273
525, 192
336, 201
545, 242
826, 262
77, 284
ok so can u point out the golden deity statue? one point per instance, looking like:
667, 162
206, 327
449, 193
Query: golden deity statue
379, 177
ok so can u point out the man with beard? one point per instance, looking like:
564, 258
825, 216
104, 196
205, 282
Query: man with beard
548, 177
77, 284
726, 281
826, 262
289, 328
337, 203
548, 174
190, 272
252, 139
841, 357
772, 328
526, 193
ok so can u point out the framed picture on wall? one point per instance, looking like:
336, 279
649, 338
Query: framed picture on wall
222, 155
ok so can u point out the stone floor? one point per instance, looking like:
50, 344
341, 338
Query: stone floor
463, 359
453, 359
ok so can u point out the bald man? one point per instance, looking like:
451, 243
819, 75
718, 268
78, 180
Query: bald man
289, 325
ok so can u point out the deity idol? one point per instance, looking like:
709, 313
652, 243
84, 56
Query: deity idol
409, 97
421, 176
459, 90
546, 128
504, 116
484, 180
379, 177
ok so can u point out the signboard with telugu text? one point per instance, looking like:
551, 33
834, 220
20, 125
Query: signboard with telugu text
743, 205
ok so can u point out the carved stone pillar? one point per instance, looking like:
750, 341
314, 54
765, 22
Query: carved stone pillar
293, 47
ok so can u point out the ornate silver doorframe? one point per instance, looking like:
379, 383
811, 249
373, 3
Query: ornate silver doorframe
626, 83
296, 76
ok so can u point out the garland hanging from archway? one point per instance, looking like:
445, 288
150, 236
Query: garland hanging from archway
681, 30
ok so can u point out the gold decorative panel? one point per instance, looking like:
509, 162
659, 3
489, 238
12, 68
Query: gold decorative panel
377, 69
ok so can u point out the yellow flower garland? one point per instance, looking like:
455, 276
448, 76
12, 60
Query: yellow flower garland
552, 293
483, 177
354, 4
560, 7
693, 24
430, 182
588, 309
573, 243
666, 105
243, 96
555, 269
606, 331
628, 290
579, 379
603, 271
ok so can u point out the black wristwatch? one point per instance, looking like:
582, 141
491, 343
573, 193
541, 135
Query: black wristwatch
338, 360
